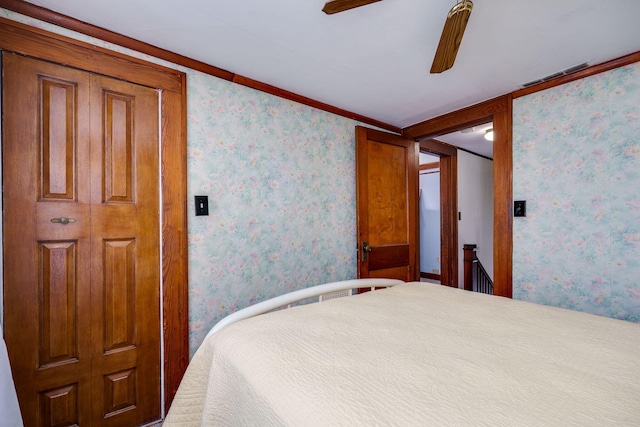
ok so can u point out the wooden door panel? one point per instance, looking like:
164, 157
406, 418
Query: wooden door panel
46, 276
119, 294
118, 147
389, 256
58, 100
400, 273
125, 253
58, 313
387, 194
59, 407
120, 391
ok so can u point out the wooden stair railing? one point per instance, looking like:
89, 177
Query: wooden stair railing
476, 278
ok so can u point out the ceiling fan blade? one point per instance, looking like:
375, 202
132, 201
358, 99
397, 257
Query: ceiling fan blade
451, 37
335, 6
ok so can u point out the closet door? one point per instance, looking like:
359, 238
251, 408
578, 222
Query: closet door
81, 275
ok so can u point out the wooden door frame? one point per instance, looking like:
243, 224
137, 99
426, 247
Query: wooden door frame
499, 111
29, 41
448, 208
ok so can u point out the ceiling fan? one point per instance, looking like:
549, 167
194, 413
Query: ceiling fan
450, 39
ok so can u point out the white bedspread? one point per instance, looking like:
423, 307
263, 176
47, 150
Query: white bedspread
416, 354
9, 409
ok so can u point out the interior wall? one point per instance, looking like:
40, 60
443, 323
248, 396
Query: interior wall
280, 177
475, 204
576, 156
429, 208
281, 183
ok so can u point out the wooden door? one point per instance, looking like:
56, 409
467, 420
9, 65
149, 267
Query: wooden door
81, 257
387, 209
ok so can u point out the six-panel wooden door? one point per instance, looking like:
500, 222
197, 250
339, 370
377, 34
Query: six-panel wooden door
81, 245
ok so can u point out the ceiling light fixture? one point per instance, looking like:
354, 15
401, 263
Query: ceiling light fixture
488, 135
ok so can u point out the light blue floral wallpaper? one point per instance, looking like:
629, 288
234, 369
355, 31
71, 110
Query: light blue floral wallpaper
576, 156
280, 178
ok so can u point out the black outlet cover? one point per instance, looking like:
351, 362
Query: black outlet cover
202, 205
520, 208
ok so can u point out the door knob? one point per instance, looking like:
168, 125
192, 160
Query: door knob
366, 248
63, 220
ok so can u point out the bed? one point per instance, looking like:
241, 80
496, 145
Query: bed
414, 354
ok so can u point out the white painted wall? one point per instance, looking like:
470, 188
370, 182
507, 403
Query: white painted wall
430, 222
429, 217
475, 203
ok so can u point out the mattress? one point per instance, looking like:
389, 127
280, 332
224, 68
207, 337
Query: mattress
415, 354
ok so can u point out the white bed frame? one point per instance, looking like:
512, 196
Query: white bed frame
322, 292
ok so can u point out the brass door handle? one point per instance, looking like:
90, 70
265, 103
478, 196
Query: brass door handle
63, 220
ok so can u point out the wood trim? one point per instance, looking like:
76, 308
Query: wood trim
431, 276
429, 166
73, 24
502, 201
19, 38
587, 72
467, 117
448, 217
497, 110
175, 264
449, 220
29, 41
438, 147
414, 214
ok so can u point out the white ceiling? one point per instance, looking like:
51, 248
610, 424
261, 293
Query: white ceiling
471, 139
375, 60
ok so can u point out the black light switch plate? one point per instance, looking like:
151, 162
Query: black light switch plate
520, 208
202, 205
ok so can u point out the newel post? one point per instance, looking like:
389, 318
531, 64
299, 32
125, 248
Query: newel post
469, 257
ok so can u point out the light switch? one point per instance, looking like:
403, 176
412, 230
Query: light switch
520, 208
202, 205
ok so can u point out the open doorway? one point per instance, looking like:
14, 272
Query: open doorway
448, 205
497, 111
475, 194
429, 217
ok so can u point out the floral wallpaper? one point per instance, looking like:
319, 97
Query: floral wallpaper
280, 177
576, 157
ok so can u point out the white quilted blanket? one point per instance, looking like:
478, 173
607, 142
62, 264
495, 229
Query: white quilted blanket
416, 354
